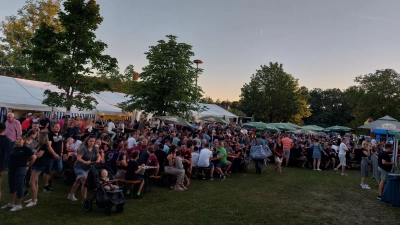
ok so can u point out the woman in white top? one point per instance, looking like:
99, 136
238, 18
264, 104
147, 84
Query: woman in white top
342, 157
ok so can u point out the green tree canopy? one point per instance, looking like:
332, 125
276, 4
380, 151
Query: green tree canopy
17, 34
69, 57
328, 108
273, 95
167, 85
375, 96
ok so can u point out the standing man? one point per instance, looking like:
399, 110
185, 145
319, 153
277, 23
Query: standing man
287, 145
384, 166
53, 157
13, 128
111, 126
5, 150
76, 130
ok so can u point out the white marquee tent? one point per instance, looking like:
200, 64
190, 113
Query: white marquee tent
28, 95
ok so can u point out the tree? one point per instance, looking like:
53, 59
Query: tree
237, 112
69, 57
167, 85
207, 100
119, 82
376, 95
18, 32
275, 96
329, 108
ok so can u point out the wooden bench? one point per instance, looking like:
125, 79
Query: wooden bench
132, 182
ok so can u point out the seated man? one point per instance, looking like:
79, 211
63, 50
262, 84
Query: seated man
114, 158
152, 160
205, 160
222, 157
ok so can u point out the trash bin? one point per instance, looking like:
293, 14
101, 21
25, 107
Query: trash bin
391, 193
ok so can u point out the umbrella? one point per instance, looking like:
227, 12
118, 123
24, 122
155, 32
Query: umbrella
261, 125
293, 125
283, 126
213, 119
175, 120
313, 128
303, 131
337, 129
385, 123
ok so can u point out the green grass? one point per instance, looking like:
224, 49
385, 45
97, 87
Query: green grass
299, 196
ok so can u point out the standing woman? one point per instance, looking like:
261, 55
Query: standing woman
279, 154
364, 166
30, 142
170, 169
21, 158
87, 154
38, 166
317, 149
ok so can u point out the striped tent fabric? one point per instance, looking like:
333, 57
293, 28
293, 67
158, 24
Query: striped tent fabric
128, 118
3, 112
59, 115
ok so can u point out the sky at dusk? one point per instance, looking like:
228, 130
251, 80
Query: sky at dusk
323, 43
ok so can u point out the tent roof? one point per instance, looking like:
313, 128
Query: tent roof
214, 110
29, 94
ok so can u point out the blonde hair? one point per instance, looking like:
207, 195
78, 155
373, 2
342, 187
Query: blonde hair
43, 139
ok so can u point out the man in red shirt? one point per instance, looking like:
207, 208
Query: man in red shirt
152, 160
27, 123
287, 145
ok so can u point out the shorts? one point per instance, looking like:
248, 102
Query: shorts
209, 165
342, 158
287, 153
37, 169
384, 173
53, 164
220, 165
277, 159
80, 173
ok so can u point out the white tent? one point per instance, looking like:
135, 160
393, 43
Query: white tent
214, 110
28, 95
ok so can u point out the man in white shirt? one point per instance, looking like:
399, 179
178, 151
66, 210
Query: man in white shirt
204, 160
373, 142
342, 156
243, 131
132, 141
111, 126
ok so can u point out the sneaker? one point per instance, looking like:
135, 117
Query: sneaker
177, 188
27, 201
16, 208
31, 204
72, 197
344, 174
335, 170
204, 177
212, 178
365, 187
222, 177
9, 205
319, 170
47, 189
362, 184
379, 197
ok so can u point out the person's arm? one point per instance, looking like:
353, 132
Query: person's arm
140, 168
170, 161
31, 161
98, 158
51, 150
39, 154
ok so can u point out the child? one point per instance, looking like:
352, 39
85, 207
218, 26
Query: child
106, 182
132, 170
178, 161
247, 160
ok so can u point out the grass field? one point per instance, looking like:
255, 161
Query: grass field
299, 196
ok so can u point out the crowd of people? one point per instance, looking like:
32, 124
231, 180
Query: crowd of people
205, 150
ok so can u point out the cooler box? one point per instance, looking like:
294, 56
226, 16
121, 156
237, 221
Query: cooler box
391, 193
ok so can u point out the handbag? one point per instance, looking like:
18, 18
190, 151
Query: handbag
260, 152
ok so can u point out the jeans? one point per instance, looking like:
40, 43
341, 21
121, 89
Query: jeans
113, 135
16, 177
258, 164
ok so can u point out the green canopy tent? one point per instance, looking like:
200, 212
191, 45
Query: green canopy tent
213, 119
283, 126
313, 128
260, 125
304, 131
337, 129
175, 120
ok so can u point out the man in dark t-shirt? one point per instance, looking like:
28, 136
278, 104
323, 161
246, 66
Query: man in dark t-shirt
385, 166
113, 158
53, 157
161, 156
5, 150
44, 122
